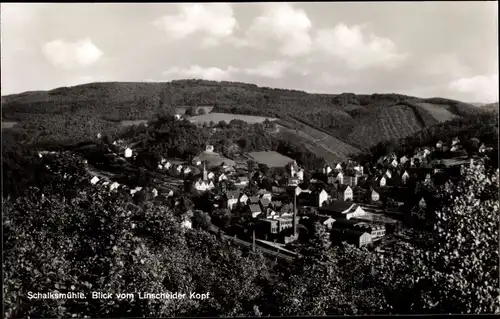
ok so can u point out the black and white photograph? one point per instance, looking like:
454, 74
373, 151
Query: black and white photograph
259, 159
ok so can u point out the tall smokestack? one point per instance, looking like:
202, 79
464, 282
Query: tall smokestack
294, 214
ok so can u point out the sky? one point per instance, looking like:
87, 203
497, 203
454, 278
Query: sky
424, 49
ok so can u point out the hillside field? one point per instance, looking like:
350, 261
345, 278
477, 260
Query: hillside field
227, 117
270, 158
440, 112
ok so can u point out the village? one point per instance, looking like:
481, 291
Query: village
273, 203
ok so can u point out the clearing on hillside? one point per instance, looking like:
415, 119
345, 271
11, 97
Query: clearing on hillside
270, 158
440, 112
213, 159
181, 110
8, 124
227, 117
131, 123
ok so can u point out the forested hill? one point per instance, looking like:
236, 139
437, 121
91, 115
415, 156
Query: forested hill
359, 120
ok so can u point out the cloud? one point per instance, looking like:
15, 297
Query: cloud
283, 24
215, 20
484, 88
271, 69
357, 50
71, 55
198, 72
446, 64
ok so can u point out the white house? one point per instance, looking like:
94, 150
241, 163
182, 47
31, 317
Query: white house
454, 148
300, 174
242, 181
179, 168
203, 186
338, 166
327, 169
345, 193
422, 204
412, 162
114, 186
243, 198
394, 163
167, 165
163, 161
222, 177
128, 152
322, 197
187, 170
99, 135
160, 167
155, 192
375, 197
455, 141
94, 180
388, 174
209, 149
426, 152
210, 175
405, 177
197, 162
382, 181
403, 159
340, 178
177, 116
359, 168
439, 144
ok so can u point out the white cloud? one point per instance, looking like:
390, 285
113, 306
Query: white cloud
215, 20
483, 88
198, 72
333, 80
72, 55
271, 69
446, 64
358, 51
282, 24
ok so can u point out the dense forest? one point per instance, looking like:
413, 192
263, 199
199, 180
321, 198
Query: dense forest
76, 113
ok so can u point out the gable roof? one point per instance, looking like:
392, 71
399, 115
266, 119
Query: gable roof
337, 206
342, 188
254, 208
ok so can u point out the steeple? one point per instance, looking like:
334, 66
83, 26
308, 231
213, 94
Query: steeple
205, 175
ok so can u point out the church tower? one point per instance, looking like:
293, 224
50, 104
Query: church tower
205, 174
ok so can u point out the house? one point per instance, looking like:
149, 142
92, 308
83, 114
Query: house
203, 186
340, 178
167, 165
351, 180
264, 203
455, 141
300, 174
293, 168
187, 170
327, 169
338, 166
345, 193
265, 194
353, 237
388, 174
439, 144
253, 210
94, 180
99, 135
209, 148
314, 198
210, 175
327, 221
221, 177
342, 209
197, 162
375, 197
482, 148
294, 190
128, 152
394, 163
114, 186
242, 181
359, 168
155, 192
405, 177
382, 181
422, 204
403, 160
231, 198
177, 116
428, 179
178, 168
427, 152
243, 199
